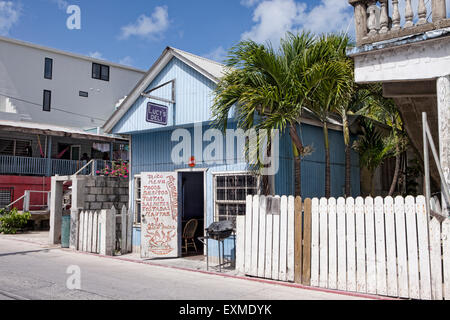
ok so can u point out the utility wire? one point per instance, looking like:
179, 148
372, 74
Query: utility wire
53, 108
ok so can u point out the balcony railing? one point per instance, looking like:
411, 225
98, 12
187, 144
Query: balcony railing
10, 165
374, 22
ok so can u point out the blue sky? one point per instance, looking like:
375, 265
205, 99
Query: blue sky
135, 32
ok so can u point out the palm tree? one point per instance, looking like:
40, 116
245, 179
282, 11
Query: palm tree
334, 89
385, 111
360, 96
373, 149
267, 88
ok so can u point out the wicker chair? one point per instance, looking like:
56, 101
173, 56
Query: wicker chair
189, 234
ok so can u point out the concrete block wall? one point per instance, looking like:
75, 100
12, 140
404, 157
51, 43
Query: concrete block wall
104, 192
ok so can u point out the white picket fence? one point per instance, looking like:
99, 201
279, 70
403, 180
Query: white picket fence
97, 231
377, 246
265, 238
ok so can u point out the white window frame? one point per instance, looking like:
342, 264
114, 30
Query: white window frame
231, 173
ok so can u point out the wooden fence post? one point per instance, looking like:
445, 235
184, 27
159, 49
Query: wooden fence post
123, 218
298, 240
240, 244
446, 257
129, 231
306, 267
290, 239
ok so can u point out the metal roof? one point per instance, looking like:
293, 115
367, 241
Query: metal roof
52, 130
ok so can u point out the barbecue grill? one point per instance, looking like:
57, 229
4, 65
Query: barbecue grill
218, 231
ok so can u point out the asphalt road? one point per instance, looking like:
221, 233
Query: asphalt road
33, 271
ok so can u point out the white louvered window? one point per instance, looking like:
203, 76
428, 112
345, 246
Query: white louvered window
230, 193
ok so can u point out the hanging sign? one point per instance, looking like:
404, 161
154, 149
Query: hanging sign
159, 215
157, 113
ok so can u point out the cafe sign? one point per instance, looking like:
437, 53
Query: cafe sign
157, 113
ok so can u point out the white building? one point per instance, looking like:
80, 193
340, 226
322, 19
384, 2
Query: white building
48, 86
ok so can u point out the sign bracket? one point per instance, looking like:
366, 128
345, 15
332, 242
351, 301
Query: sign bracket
173, 99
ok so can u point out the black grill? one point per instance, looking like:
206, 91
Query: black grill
220, 230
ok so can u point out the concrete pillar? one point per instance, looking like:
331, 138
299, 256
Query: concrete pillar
439, 10
78, 197
49, 157
74, 214
443, 95
55, 211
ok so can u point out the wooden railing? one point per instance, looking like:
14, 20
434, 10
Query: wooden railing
48, 167
374, 22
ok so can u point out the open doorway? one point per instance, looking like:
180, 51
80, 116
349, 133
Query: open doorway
192, 208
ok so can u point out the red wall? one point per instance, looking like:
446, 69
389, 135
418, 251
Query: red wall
21, 183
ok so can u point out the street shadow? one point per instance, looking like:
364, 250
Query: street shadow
23, 252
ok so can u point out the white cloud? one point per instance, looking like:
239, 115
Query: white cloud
148, 27
96, 55
273, 18
62, 4
126, 61
9, 16
219, 54
249, 3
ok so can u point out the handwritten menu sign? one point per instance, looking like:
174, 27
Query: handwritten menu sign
159, 215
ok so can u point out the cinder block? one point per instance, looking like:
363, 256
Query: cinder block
95, 190
113, 197
112, 183
90, 182
124, 198
95, 206
100, 182
124, 183
90, 198
107, 205
108, 191
102, 198
123, 191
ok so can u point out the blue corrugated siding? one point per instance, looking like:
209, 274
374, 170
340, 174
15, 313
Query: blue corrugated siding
313, 166
193, 97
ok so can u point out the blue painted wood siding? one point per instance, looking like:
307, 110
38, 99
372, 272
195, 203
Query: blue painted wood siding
193, 100
151, 151
313, 165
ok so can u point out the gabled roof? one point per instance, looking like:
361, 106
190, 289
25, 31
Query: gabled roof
209, 68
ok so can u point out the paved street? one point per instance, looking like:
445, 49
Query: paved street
34, 271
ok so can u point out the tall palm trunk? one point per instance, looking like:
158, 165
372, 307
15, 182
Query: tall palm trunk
372, 183
297, 159
348, 172
327, 161
396, 171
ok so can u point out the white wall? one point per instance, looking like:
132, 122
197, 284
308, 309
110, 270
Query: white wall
418, 61
22, 76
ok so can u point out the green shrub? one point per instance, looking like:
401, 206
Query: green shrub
13, 220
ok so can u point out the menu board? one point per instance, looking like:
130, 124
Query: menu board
159, 215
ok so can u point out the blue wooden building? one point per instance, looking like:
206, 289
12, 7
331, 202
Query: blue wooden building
183, 83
